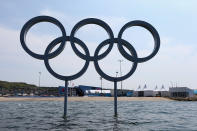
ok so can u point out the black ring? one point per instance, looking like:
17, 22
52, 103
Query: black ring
151, 29
58, 76
129, 47
34, 21
97, 22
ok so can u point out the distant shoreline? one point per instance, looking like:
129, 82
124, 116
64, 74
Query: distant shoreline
5, 99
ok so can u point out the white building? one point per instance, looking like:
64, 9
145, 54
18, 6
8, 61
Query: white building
156, 91
148, 93
98, 92
161, 92
143, 92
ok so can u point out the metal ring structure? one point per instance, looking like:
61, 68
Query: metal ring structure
131, 50
61, 77
151, 29
132, 56
99, 23
34, 21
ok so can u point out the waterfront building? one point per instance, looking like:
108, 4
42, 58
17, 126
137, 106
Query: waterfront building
1, 91
81, 89
145, 92
123, 92
161, 92
156, 91
98, 93
72, 91
181, 92
195, 92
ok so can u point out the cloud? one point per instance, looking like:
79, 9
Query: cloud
69, 21
175, 61
16, 64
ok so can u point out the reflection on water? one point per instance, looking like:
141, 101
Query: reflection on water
94, 115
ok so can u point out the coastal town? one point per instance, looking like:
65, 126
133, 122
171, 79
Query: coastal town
9, 89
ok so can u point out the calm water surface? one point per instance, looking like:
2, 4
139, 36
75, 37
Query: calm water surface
95, 115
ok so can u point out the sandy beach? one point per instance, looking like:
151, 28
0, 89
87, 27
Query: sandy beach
83, 99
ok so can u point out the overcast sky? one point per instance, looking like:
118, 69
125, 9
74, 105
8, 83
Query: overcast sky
175, 21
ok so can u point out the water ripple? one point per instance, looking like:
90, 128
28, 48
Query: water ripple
98, 115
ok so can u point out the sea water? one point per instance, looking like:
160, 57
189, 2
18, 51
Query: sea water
98, 115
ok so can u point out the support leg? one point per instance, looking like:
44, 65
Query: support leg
65, 98
115, 98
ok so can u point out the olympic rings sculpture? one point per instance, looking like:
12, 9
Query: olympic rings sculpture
73, 40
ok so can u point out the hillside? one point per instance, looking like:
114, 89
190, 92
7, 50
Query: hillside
6, 84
